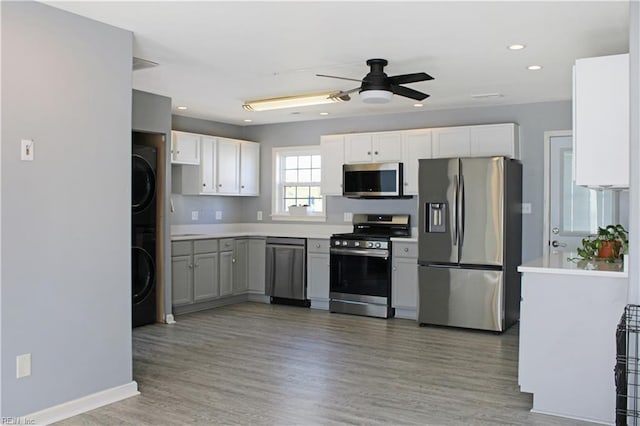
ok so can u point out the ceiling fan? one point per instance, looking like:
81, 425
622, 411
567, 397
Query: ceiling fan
378, 87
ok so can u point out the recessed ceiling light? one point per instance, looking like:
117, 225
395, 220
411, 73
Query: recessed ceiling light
418, 105
182, 107
324, 113
486, 95
534, 67
516, 47
247, 120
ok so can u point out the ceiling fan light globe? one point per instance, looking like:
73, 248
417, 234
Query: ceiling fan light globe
376, 96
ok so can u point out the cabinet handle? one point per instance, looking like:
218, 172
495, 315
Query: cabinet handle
406, 184
196, 265
317, 245
233, 260
178, 151
406, 249
219, 184
242, 186
204, 184
368, 152
395, 268
376, 152
191, 265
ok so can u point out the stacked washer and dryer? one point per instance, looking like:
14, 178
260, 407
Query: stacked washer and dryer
143, 234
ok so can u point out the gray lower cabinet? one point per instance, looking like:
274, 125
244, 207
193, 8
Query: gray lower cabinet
318, 272
194, 276
256, 261
240, 267
404, 279
227, 260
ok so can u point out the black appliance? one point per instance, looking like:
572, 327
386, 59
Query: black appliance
143, 238
360, 265
374, 180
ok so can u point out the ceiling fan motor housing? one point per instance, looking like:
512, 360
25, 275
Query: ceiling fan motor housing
376, 88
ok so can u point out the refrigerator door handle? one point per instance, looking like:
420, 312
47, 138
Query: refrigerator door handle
454, 210
462, 212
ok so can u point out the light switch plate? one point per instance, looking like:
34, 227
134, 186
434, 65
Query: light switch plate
348, 216
26, 150
526, 208
23, 366
194, 215
218, 215
259, 215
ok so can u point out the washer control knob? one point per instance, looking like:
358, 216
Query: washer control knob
369, 245
356, 244
378, 245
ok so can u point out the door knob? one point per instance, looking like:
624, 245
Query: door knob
555, 230
556, 243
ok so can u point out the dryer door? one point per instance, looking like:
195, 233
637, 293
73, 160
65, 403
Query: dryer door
143, 184
142, 274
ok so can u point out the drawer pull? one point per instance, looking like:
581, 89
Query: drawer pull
406, 249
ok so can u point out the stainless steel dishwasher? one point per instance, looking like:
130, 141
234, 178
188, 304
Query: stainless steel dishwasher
286, 270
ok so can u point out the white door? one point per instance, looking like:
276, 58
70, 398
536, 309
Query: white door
574, 211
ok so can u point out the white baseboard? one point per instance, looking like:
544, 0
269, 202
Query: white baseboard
260, 298
169, 319
320, 304
80, 405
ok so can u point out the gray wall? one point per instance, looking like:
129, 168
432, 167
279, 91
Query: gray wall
65, 274
634, 157
152, 113
534, 120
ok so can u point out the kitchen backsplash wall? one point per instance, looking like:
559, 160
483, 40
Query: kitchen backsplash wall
534, 120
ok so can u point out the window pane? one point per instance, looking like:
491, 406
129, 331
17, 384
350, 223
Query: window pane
315, 161
303, 193
314, 191
291, 162
304, 162
290, 202
316, 204
304, 175
291, 176
315, 175
290, 192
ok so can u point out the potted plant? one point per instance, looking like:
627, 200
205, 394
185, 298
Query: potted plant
610, 243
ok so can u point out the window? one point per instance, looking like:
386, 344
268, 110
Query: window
296, 183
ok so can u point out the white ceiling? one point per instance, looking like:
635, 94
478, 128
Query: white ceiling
214, 55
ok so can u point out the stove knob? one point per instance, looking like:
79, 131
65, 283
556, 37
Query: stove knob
378, 245
369, 245
336, 243
356, 244
345, 243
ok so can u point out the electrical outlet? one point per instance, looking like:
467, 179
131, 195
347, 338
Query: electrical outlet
259, 215
26, 152
348, 217
23, 366
194, 215
218, 215
526, 208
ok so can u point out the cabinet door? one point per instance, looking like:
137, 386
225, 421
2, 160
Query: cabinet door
405, 283
357, 148
451, 142
185, 148
494, 140
601, 121
181, 285
249, 168
205, 276
226, 273
207, 165
228, 166
256, 265
318, 276
386, 147
332, 152
240, 267
415, 145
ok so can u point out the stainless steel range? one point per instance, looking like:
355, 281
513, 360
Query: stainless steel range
360, 264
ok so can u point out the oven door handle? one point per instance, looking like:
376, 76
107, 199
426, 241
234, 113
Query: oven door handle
360, 252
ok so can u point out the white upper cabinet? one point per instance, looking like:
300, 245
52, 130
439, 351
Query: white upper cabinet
495, 140
185, 148
477, 141
332, 153
228, 167
373, 147
451, 142
601, 121
416, 144
249, 168
225, 167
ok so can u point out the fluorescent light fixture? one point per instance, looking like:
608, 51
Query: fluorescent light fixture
182, 107
418, 105
324, 113
294, 101
516, 47
247, 120
375, 96
534, 67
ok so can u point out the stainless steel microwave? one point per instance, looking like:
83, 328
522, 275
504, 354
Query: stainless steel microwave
374, 180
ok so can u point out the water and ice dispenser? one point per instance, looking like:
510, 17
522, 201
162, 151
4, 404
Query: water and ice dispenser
436, 217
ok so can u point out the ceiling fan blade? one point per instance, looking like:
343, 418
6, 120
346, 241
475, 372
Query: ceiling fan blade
408, 93
410, 78
341, 78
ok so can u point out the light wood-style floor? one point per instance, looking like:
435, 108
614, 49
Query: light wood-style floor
257, 364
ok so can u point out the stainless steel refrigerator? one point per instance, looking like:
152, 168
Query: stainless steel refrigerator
469, 242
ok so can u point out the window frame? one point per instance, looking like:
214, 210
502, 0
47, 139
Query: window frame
277, 154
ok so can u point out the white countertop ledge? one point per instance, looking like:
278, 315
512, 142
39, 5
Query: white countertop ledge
559, 263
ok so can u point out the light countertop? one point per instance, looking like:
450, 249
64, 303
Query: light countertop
559, 263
